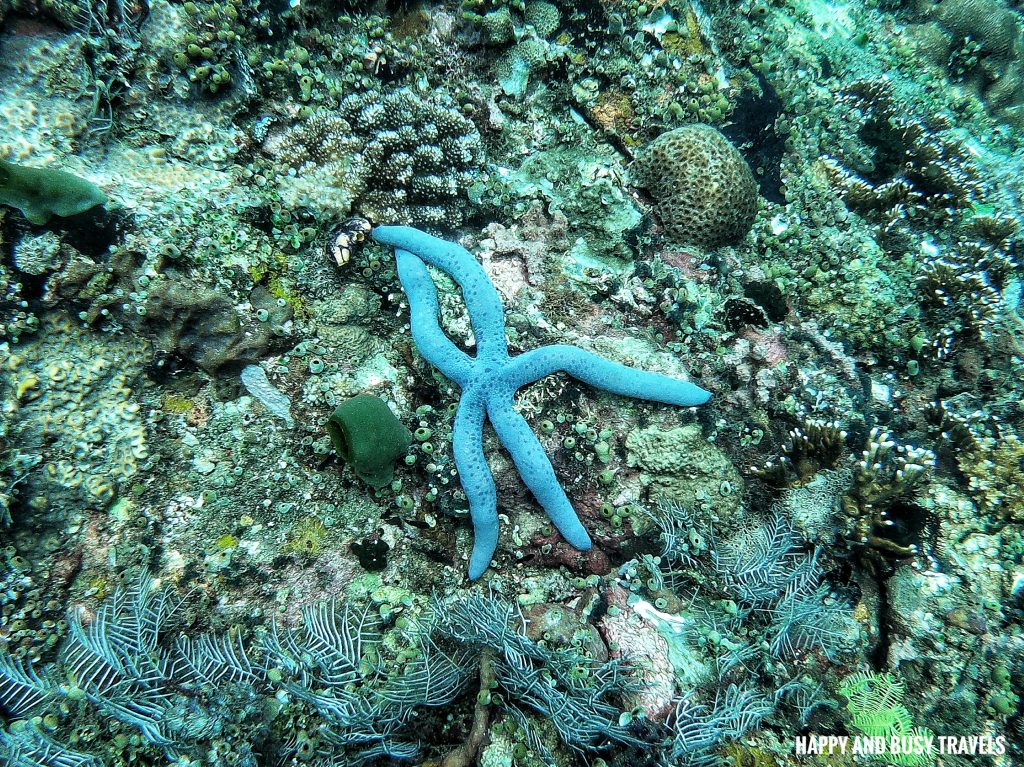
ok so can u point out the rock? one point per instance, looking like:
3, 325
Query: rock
202, 325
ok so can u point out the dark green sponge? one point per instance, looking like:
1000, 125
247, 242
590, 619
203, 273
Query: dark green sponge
368, 437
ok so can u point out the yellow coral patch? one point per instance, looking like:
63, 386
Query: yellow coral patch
175, 403
26, 385
306, 538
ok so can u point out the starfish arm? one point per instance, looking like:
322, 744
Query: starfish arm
603, 374
433, 344
477, 481
482, 300
535, 469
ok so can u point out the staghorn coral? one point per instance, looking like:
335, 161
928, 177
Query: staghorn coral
402, 158
703, 190
885, 472
813, 446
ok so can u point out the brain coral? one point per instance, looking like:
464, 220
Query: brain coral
703, 190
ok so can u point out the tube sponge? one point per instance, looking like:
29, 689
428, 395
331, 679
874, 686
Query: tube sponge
368, 436
40, 193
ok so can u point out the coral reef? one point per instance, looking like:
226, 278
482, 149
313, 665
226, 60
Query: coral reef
810, 209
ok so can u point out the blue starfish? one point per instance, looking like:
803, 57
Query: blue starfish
489, 382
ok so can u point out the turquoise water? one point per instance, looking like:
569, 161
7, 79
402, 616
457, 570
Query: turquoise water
279, 486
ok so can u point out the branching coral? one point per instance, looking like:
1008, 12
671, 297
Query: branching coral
885, 472
401, 158
901, 171
964, 286
813, 446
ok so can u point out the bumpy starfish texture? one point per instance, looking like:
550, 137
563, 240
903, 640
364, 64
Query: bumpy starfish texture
490, 380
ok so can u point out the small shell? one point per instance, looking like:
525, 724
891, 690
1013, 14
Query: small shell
345, 236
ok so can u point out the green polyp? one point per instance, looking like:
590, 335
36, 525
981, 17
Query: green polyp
40, 193
368, 437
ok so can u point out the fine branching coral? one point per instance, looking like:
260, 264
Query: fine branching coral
910, 167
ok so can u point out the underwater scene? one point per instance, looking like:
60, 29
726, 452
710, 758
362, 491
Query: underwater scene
514, 383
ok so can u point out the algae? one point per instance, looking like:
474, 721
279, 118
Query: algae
41, 193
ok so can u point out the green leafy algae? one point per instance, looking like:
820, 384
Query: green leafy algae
41, 193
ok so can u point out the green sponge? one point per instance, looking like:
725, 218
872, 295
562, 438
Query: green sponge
40, 193
369, 437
